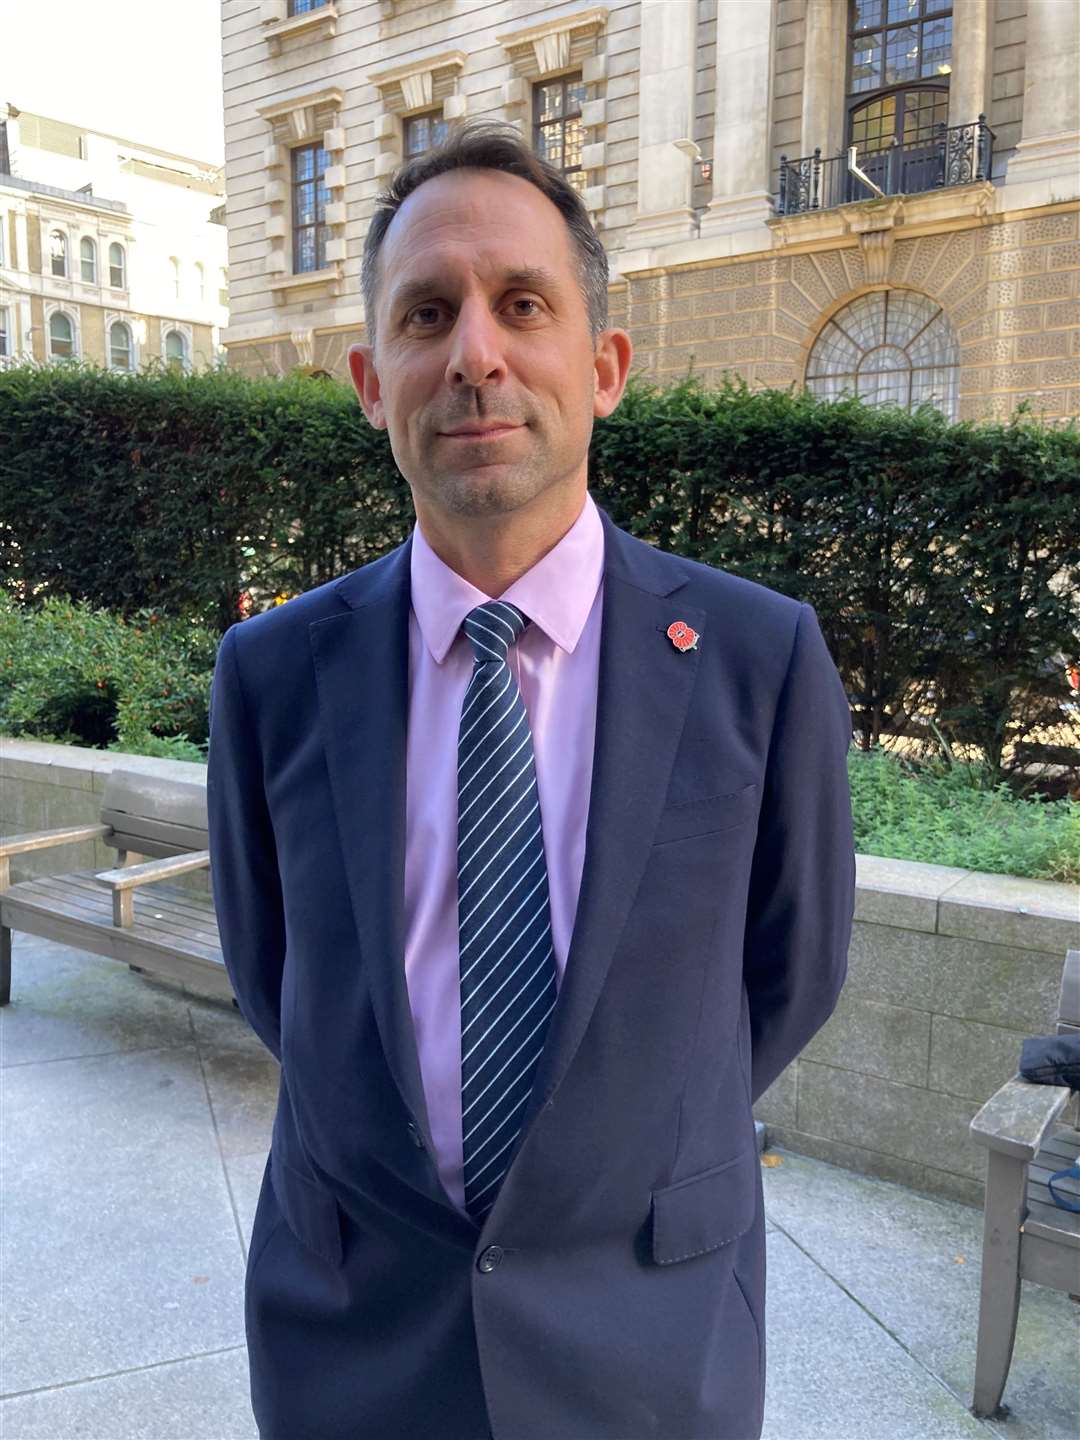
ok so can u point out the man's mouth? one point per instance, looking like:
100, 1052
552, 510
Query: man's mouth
489, 431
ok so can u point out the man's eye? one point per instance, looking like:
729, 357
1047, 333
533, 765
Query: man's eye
426, 316
422, 310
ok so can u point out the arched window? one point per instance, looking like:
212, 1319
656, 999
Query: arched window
119, 346
891, 347
61, 336
176, 349
200, 280
58, 252
900, 54
175, 263
117, 267
88, 253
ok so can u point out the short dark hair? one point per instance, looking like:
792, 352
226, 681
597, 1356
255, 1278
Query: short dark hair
491, 145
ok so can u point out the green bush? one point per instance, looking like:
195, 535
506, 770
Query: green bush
82, 676
954, 814
943, 560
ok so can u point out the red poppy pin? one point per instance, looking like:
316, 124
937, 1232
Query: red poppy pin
681, 636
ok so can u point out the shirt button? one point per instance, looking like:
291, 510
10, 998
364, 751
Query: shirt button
489, 1259
415, 1136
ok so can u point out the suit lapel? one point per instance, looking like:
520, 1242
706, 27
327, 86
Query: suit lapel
643, 693
362, 671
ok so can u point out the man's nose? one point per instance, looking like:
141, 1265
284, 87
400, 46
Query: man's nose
476, 346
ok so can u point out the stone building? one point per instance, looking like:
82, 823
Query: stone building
711, 141
110, 251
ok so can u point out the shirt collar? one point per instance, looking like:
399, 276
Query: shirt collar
557, 593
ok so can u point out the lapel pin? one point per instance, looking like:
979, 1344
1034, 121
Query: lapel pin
681, 635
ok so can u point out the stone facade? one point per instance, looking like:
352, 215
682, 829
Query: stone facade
689, 108
54, 179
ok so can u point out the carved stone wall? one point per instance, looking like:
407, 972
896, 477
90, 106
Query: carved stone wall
1011, 292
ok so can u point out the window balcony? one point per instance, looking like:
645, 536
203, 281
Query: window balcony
953, 155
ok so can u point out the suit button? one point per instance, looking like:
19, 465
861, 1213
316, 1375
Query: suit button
489, 1259
415, 1136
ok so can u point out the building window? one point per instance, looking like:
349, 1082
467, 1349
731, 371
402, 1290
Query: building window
175, 265
176, 350
61, 336
558, 134
117, 266
310, 198
896, 42
900, 54
304, 7
223, 288
423, 132
5, 344
58, 252
200, 278
891, 347
119, 346
88, 255
5, 154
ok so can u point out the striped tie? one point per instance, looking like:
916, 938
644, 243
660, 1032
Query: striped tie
508, 984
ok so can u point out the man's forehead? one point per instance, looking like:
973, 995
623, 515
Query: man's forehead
477, 212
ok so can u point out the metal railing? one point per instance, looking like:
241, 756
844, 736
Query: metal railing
954, 155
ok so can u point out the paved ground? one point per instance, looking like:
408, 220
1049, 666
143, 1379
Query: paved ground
135, 1126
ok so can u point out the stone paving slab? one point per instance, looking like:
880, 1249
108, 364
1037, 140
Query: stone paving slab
834, 1372
136, 1126
914, 1262
120, 1246
205, 1398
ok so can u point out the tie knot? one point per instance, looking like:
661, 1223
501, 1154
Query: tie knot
492, 629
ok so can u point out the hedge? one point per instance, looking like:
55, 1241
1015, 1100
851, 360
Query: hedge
943, 559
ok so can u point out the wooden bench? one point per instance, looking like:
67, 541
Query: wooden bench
129, 913
1030, 1131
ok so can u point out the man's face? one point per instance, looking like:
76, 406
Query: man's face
481, 321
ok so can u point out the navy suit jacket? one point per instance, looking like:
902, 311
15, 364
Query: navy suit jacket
617, 1288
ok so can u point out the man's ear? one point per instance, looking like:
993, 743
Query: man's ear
611, 369
366, 383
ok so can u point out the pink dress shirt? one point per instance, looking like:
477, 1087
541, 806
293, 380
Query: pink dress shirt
555, 665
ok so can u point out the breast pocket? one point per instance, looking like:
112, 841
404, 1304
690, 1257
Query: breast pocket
707, 815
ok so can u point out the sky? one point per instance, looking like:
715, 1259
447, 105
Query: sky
146, 70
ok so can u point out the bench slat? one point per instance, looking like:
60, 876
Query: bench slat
162, 897
1050, 1222
198, 971
93, 910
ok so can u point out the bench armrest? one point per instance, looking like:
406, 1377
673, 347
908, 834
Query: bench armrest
1016, 1119
43, 840
127, 877
46, 839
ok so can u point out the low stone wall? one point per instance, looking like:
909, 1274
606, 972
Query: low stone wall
44, 787
949, 971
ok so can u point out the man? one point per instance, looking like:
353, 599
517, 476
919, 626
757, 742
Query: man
532, 856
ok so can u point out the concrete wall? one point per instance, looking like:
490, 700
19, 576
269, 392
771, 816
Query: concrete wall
949, 971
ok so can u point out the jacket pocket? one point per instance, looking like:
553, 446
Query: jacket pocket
706, 815
705, 1211
310, 1211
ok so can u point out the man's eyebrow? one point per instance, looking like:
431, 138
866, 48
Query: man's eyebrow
531, 277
